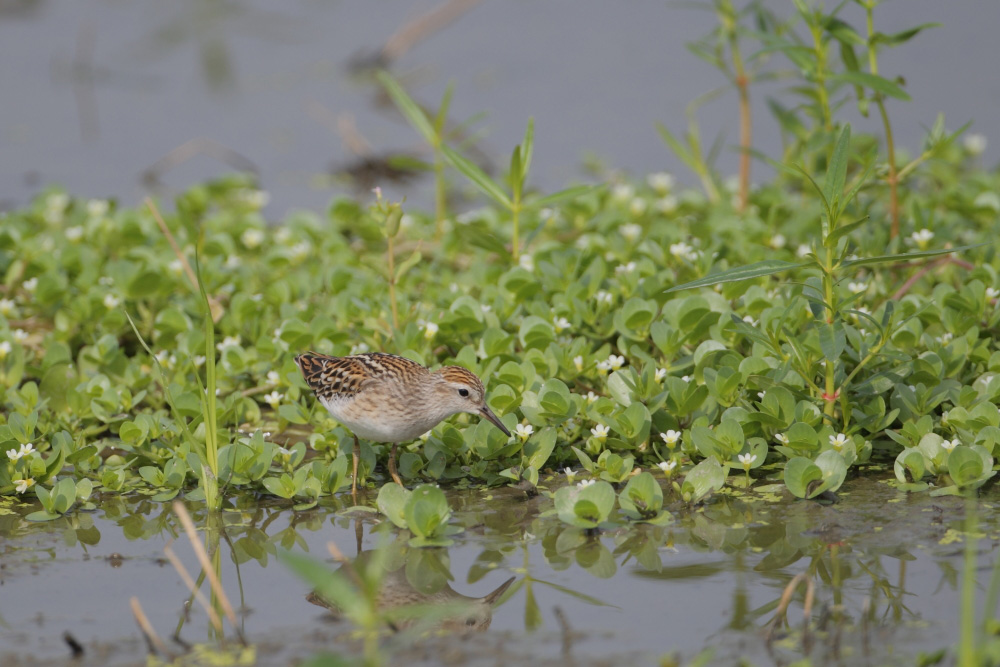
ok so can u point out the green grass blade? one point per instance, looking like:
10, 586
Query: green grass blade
756, 270
836, 173
562, 195
873, 82
527, 148
477, 176
410, 109
905, 257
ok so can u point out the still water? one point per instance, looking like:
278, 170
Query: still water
95, 93
886, 568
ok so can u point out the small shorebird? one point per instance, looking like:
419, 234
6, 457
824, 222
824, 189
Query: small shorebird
387, 398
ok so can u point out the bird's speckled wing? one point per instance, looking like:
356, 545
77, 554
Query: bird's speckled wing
344, 377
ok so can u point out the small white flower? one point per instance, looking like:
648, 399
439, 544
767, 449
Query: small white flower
625, 268
686, 378
661, 181
660, 374
300, 251
622, 192
7, 307
561, 324
777, 241
747, 460
604, 297
25, 450
591, 397
671, 437
949, 445
175, 267
273, 377
600, 431
359, 348
430, 330
547, 213
426, 436
944, 338
256, 198
631, 231
667, 466
992, 292
781, 437
666, 204
485, 307
252, 238
20, 335
680, 249
523, 431
526, 262
803, 250
284, 451
30, 284
228, 342
5, 348
975, 144
637, 206
111, 301
570, 475
760, 395
199, 360
13, 455
838, 441
750, 320
273, 399
604, 366
166, 359
857, 288
584, 483
23, 485
74, 234
922, 237
578, 362
616, 361
97, 208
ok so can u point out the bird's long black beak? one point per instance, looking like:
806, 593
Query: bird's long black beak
486, 412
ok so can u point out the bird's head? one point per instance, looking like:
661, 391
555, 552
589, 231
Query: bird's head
459, 390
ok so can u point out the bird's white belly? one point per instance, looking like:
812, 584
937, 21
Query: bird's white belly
379, 425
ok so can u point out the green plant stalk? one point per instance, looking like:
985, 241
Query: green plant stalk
830, 391
210, 468
820, 75
967, 649
440, 194
392, 284
515, 211
746, 127
890, 144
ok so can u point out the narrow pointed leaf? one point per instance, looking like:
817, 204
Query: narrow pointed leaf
410, 109
562, 195
527, 147
872, 81
836, 173
905, 257
755, 270
478, 177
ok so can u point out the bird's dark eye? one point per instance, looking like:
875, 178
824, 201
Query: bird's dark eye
470, 621
463, 392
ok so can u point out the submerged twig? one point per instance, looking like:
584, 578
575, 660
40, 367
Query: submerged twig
213, 616
786, 598
206, 564
153, 640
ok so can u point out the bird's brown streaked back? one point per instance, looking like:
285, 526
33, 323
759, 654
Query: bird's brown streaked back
343, 377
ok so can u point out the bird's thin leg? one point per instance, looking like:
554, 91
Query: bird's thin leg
354, 479
392, 465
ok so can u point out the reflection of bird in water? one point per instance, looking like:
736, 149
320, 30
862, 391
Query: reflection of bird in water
470, 614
